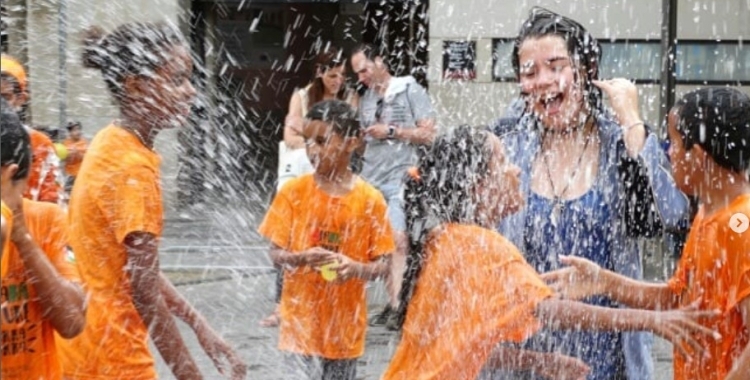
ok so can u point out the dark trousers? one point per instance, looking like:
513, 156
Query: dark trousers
303, 367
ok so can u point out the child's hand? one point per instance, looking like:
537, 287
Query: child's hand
226, 360
347, 268
564, 367
682, 325
316, 257
579, 280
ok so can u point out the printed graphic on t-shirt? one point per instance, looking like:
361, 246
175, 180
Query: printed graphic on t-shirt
18, 334
329, 240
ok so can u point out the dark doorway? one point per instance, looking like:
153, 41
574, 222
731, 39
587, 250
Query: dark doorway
256, 53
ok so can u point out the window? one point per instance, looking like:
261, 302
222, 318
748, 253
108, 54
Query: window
709, 61
696, 61
636, 60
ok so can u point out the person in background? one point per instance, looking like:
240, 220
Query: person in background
76, 146
45, 178
397, 116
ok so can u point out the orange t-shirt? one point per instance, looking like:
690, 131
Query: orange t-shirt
44, 178
117, 192
320, 318
28, 339
715, 268
76, 151
8, 218
475, 290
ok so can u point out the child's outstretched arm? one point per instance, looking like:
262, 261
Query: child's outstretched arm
741, 368
583, 278
678, 326
214, 346
547, 365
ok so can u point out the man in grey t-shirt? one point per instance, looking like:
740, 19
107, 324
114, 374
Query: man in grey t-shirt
396, 114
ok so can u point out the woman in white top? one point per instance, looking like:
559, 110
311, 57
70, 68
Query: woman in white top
328, 83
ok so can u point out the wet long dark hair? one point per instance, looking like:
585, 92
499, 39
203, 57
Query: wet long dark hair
441, 191
324, 61
583, 48
718, 120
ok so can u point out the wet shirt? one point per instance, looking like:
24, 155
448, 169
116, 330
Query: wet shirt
28, 348
715, 269
320, 318
73, 161
475, 290
405, 103
8, 217
581, 230
117, 192
44, 177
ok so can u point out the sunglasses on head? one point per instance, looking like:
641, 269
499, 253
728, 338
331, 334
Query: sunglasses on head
379, 110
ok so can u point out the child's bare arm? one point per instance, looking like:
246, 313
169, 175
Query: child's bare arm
313, 257
583, 278
63, 302
148, 299
347, 268
741, 368
678, 326
223, 356
548, 365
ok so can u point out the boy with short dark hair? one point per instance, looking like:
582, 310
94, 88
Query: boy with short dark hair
330, 232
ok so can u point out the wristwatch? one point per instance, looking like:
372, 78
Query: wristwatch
391, 132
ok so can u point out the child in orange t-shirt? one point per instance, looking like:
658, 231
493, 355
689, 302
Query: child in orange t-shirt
40, 294
709, 133
468, 293
330, 234
116, 217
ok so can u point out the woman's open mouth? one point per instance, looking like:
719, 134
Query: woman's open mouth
552, 103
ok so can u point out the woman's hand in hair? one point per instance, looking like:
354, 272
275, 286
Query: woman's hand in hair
623, 98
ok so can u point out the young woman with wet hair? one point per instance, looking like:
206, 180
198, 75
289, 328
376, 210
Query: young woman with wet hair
116, 216
468, 294
594, 179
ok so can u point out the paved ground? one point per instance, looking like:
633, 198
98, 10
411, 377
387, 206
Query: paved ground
220, 266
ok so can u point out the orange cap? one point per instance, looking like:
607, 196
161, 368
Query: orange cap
10, 66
